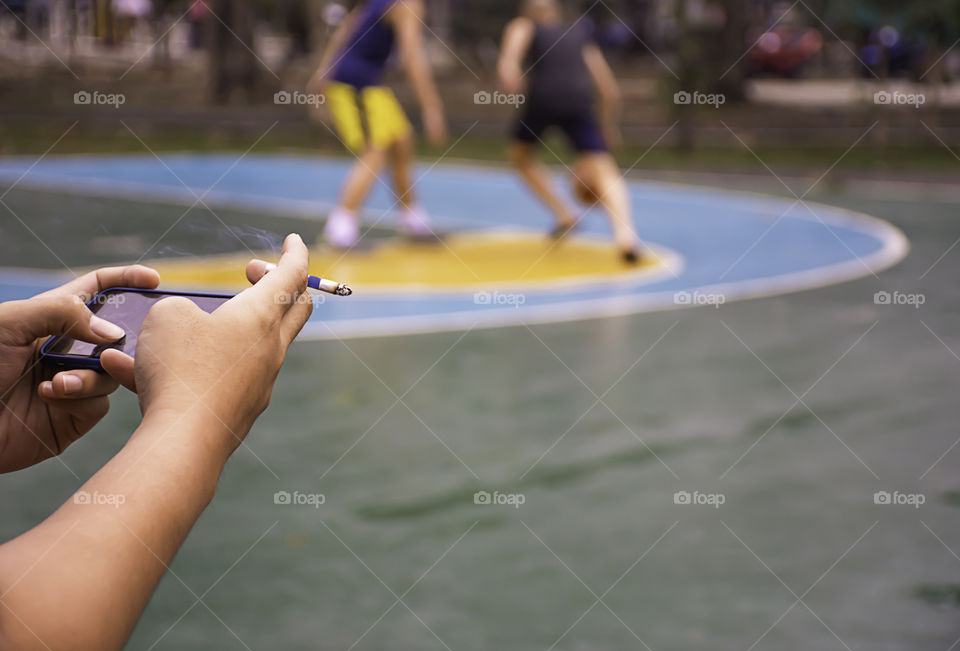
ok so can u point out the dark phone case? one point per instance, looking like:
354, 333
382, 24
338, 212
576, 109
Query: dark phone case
67, 362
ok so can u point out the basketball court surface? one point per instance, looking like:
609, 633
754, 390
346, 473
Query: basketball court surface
501, 441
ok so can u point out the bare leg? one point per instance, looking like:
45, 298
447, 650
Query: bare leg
414, 220
342, 229
361, 177
600, 173
401, 161
537, 177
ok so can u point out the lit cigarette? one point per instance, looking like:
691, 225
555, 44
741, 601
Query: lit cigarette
322, 284
328, 286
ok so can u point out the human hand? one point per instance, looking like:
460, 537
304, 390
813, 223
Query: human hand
435, 125
220, 367
319, 80
44, 411
317, 111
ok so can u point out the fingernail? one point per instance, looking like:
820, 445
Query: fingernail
270, 267
46, 388
72, 384
105, 329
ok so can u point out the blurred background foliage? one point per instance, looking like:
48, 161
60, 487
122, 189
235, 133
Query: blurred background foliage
794, 74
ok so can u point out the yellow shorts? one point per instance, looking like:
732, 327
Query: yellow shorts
366, 117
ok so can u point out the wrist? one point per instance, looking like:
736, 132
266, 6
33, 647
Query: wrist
193, 429
172, 463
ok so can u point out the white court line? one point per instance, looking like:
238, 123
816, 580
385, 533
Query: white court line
894, 248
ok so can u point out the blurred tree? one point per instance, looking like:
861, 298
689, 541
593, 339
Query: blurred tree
939, 18
291, 17
708, 51
731, 79
231, 44
927, 27
299, 26
161, 23
104, 24
686, 63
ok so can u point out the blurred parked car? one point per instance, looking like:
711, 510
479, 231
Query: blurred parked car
784, 51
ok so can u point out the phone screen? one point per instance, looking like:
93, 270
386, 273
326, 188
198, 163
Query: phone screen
127, 308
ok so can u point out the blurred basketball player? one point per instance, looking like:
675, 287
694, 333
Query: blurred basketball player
566, 71
366, 114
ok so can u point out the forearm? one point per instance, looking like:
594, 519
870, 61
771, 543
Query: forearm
509, 74
610, 110
327, 62
81, 578
407, 21
605, 82
418, 72
516, 42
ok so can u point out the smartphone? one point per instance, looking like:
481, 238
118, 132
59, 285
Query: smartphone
125, 307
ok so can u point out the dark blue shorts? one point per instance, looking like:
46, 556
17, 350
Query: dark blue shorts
580, 127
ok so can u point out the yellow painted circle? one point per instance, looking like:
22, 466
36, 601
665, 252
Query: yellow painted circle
465, 261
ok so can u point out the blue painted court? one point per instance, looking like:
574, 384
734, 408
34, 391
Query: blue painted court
711, 245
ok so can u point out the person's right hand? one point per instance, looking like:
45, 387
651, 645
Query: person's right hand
318, 82
221, 367
318, 113
435, 125
613, 136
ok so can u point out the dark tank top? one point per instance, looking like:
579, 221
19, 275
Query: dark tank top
364, 57
558, 77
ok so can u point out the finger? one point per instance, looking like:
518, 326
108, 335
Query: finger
77, 385
256, 269
176, 309
54, 314
84, 414
119, 366
276, 291
296, 317
87, 285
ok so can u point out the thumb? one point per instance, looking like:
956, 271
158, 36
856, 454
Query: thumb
120, 367
54, 315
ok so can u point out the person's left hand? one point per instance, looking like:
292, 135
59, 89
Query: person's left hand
42, 412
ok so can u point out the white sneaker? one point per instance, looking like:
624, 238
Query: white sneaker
341, 230
415, 222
